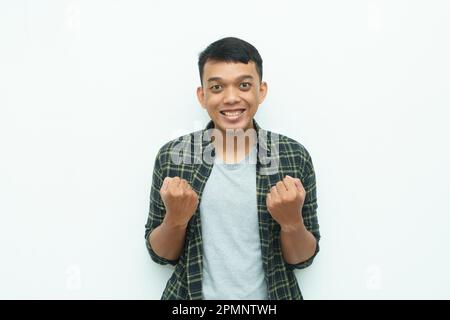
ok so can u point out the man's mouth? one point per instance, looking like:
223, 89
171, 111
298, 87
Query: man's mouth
232, 113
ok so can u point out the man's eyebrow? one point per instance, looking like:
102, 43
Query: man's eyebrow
245, 76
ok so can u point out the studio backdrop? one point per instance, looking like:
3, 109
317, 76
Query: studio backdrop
90, 90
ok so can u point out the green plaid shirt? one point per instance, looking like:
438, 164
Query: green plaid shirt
293, 159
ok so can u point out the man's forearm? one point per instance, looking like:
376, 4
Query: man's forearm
167, 240
297, 243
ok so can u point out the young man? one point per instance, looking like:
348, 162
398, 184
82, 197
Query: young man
232, 207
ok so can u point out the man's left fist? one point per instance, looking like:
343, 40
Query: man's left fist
285, 201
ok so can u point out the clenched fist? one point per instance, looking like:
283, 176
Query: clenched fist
180, 201
285, 201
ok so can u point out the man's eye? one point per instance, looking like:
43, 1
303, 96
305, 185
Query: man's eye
216, 87
245, 85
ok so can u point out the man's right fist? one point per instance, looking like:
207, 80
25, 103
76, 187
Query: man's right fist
180, 201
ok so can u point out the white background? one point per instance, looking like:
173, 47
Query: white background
89, 91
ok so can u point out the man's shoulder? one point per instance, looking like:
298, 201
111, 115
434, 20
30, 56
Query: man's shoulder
289, 146
174, 146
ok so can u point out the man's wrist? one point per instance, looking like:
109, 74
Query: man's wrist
173, 224
295, 227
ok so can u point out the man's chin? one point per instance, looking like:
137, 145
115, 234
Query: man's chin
243, 125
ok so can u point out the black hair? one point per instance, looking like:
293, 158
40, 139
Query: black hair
230, 49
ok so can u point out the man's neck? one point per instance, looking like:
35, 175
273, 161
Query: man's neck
234, 148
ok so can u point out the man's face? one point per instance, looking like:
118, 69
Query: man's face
231, 93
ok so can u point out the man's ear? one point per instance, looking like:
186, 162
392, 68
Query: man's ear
201, 96
262, 91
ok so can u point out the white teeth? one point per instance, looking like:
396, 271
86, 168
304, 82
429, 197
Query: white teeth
232, 113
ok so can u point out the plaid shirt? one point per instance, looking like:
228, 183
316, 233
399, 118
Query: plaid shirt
293, 159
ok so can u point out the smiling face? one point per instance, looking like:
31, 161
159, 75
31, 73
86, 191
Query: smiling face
231, 93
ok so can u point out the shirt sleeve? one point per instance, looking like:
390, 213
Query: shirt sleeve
309, 211
156, 212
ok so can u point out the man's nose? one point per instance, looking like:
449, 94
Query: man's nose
231, 95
